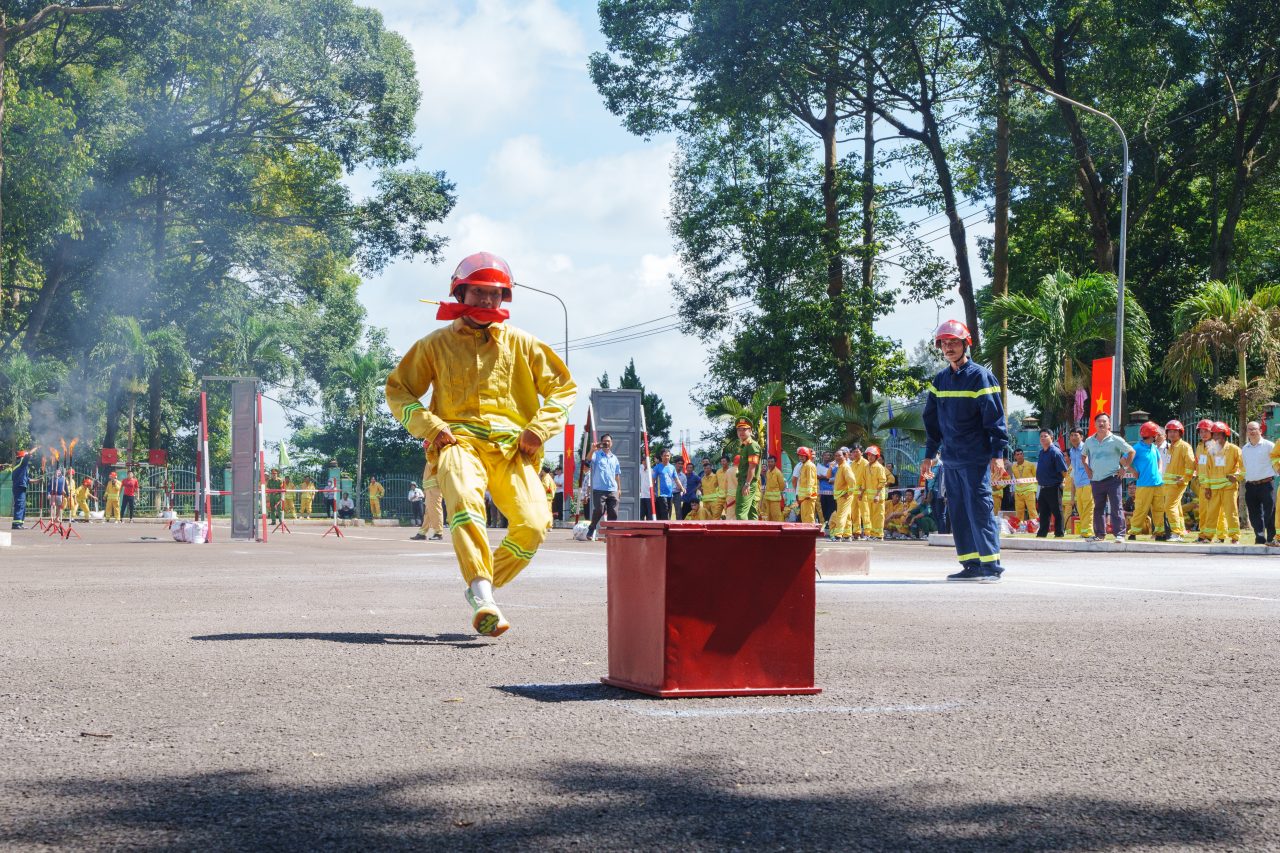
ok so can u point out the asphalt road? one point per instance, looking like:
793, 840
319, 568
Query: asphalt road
317, 695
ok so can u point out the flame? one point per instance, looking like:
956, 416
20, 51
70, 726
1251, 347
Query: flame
71, 448
54, 452
64, 446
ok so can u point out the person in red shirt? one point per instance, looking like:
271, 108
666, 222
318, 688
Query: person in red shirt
129, 488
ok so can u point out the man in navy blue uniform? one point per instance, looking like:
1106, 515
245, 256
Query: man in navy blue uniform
964, 419
21, 480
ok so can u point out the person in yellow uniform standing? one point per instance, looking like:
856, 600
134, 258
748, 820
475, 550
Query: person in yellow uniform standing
1177, 475
307, 495
877, 479
548, 483
807, 486
1275, 466
376, 490
1068, 497
1024, 494
1226, 468
840, 528
288, 506
497, 394
859, 514
111, 498
775, 487
1204, 497
1080, 482
729, 485
712, 503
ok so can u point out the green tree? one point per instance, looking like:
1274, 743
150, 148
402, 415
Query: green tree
358, 380
1057, 331
728, 410
22, 381
1222, 322
869, 423
124, 357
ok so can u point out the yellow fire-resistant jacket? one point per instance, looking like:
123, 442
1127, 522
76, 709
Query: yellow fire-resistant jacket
376, 490
1182, 463
877, 478
807, 484
729, 484
859, 469
1203, 462
844, 483
492, 383
82, 494
1232, 465
112, 490
1022, 470
774, 485
1275, 458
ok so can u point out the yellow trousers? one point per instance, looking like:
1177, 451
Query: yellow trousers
81, 507
433, 514
1203, 498
1084, 508
808, 508
1173, 507
290, 508
1024, 502
875, 512
306, 505
1223, 518
464, 470
712, 510
997, 498
1148, 511
772, 509
841, 518
856, 519
113, 509
375, 507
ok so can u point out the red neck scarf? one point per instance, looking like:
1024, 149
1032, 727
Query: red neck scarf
454, 310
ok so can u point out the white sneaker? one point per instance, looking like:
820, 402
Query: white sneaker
1173, 537
1120, 538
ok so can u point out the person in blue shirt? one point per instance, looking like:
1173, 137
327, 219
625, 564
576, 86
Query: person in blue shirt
1080, 482
689, 497
1050, 466
21, 481
1148, 509
665, 486
606, 472
964, 422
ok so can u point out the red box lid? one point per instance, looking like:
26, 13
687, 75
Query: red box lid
756, 528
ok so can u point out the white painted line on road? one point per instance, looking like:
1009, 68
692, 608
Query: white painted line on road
820, 709
1143, 589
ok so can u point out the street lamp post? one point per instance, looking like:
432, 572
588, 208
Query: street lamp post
521, 284
1117, 369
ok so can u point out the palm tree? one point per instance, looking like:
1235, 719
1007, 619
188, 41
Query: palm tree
729, 409
356, 389
260, 346
869, 423
22, 382
1219, 321
1056, 331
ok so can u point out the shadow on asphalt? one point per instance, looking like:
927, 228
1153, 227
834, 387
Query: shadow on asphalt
464, 641
585, 692
612, 806
878, 581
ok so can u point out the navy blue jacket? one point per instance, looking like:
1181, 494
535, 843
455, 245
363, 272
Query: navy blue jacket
964, 417
1050, 466
22, 474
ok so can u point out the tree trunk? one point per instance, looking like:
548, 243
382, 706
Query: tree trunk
113, 413
1242, 412
1243, 152
867, 295
1000, 243
4, 55
360, 466
154, 408
133, 405
959, 241
53, 279
840, 343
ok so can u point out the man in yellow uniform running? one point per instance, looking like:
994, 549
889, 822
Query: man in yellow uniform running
807, 486
82, 495
874, 492
775, 487
1024, 494
375, 490
497, 395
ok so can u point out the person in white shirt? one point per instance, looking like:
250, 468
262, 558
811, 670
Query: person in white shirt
346, 507
646, 492
1259, 484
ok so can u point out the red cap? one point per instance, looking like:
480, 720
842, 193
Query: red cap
871, 448
483, 268
804, 453
1219, 426
953, 329
1175, 424
1149, 430
1205, 423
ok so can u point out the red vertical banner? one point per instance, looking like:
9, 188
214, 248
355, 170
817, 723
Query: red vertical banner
774, 423
1100, 402
568, 464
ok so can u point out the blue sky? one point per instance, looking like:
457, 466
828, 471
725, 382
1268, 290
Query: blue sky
548, 179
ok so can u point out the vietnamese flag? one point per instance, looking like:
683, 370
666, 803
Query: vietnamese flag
1100, 402
773, 417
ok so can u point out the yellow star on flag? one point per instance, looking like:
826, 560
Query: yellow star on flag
1100, 405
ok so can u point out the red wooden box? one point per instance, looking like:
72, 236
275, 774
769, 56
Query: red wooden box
711, 608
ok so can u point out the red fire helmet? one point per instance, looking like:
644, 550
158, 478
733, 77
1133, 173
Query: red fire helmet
872, 450
483, 268
1205, 423
804, 453
953, 329
1175, 424
1150, 429
1219, 426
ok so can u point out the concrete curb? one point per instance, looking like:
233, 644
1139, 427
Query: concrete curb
1009, 543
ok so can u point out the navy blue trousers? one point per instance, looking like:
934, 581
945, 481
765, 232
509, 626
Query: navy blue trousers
975, 529
19, 505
